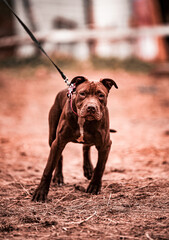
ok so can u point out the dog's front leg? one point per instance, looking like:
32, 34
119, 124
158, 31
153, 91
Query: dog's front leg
55, 153
87, 165
95, 184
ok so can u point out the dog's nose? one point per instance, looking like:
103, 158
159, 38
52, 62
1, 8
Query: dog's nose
91, 109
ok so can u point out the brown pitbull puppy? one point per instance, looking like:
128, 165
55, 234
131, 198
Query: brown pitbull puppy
83, 118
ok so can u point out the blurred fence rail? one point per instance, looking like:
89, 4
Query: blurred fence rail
84, 35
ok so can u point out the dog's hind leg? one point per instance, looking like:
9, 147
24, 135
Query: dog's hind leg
87, 165
58, 174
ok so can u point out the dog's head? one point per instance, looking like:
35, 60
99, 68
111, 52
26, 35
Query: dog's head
91, 97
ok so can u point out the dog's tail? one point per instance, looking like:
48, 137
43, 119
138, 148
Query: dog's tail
112, 131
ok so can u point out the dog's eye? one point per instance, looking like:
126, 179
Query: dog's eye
82, 94
101, 95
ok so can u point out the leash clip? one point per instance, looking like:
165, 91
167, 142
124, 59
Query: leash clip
71, 90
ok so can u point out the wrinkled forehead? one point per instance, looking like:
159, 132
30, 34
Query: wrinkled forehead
92, 87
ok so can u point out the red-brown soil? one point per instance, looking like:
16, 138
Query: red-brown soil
134, 202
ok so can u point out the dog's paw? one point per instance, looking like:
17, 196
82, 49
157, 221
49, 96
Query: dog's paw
88, 171
40, 195
58, 180
94, 188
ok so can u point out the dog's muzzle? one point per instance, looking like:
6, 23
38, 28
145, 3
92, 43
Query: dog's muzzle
90, 112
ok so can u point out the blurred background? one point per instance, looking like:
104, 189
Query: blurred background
119, 29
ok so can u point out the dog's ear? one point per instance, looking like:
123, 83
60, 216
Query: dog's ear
78, 80
108, 83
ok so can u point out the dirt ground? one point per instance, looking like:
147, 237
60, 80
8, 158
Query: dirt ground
134, 202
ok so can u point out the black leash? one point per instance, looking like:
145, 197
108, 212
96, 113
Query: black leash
37, 43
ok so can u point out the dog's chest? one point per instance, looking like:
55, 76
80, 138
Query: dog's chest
86, 133
86, 138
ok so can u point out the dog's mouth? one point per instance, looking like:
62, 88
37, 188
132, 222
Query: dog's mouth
90, 118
